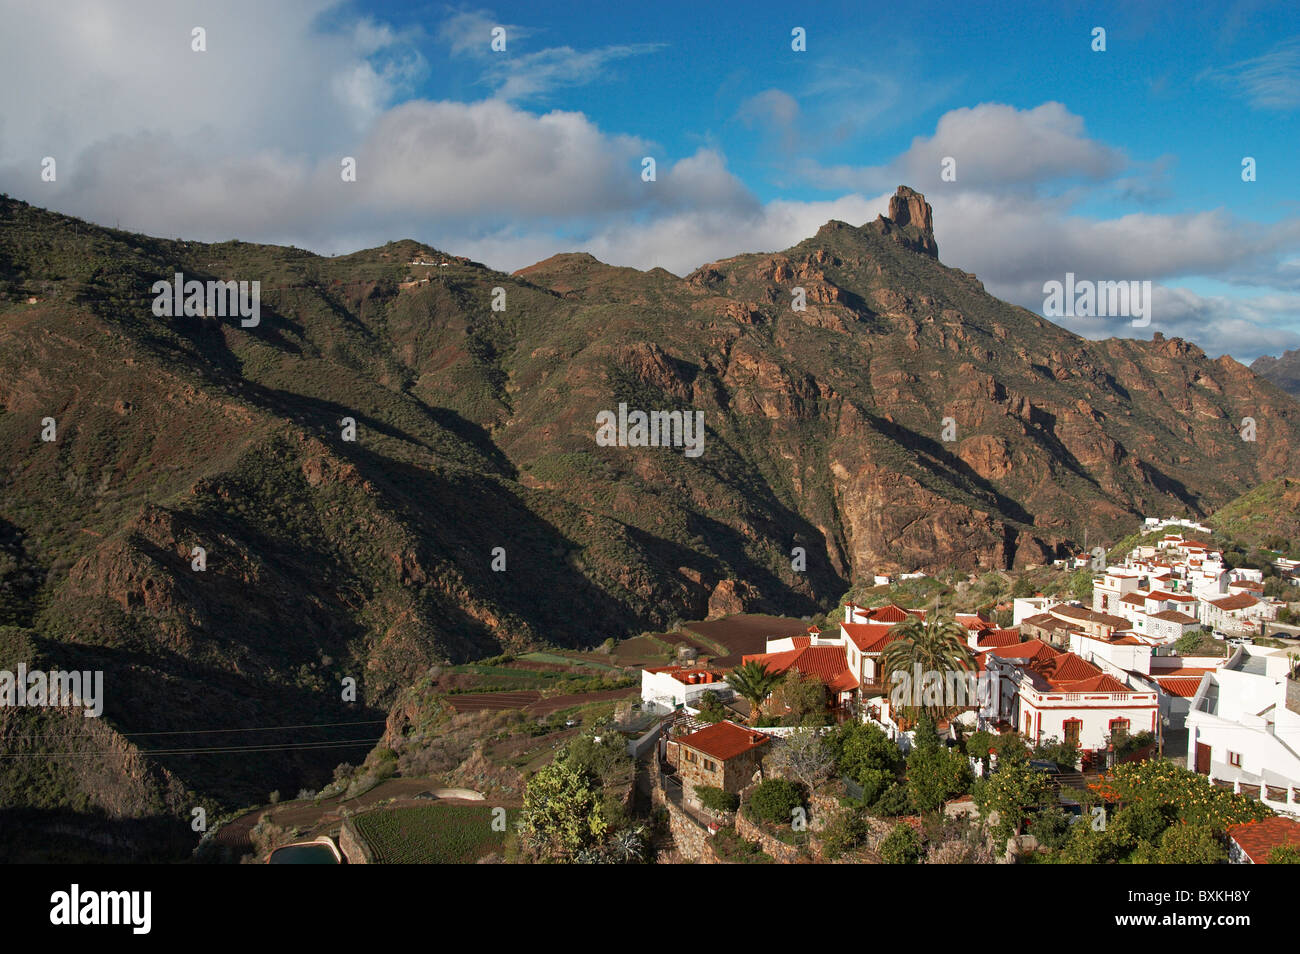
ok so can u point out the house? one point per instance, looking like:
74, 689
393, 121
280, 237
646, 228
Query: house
848, 662
1240, 612
1244, 727
671, 687
724, 755
1023, 607
1044, 693
1249, 843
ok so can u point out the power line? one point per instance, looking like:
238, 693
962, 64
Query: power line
267, 728
233, 749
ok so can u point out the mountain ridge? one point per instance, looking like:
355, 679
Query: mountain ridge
327, 559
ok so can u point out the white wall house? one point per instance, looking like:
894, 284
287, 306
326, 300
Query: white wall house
1244, 726
1045, 693
671, 686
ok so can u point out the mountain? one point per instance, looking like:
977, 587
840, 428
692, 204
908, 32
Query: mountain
329, 559
1283, 371
1267, 515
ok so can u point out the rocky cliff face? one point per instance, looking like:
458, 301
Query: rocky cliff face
901, 419
1283, 371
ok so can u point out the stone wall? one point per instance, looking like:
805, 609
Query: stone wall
779, 850
693, 841
353, 848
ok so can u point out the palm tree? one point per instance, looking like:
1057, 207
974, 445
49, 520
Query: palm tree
936, 644
754, 683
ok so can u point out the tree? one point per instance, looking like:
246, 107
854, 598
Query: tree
1013, 791
802, 756
1064, 754
936, 774
902, 846
1010, 749
863, 753
1190, 845
936, 645
1179, 790
847, 829
753, 682
561, 814
1051, 827
716, 799
1284, 855
803, 695
775, 801
711, 707
978, 745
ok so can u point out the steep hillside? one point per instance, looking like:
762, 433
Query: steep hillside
1283, 371
329, 559
1266, 516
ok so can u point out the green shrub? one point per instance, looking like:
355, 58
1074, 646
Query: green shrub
775, 800
902, 846
716, 799
846, 831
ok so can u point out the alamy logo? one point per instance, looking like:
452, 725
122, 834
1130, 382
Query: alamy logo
1089, 299
952, 689
212, 299
94, 908
654, 429
58, 689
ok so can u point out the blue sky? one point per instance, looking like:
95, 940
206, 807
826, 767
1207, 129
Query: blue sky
1122, 164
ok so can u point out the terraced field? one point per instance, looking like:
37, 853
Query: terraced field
434, 834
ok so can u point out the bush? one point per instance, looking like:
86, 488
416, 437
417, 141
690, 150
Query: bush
1051, 827
775, 800
936, 774
893, 801
902, 846
1284, 855
731, 847
846, 831
716, 799
711, 707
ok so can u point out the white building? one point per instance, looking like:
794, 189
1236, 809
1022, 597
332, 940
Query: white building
1045, 693
1244, 727
669, 687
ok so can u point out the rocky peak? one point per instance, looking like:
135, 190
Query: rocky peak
909, 210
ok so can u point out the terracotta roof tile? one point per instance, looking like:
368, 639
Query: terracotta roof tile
724, 740
1258, 838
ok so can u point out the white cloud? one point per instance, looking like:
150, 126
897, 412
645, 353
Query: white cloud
1270, 81
995, 147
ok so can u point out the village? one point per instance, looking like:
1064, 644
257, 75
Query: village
1163, 668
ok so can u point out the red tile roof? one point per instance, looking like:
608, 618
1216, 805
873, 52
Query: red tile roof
1258, 838
998, 637
1182, 686
684, 674
869, 637
1176, 597
1173, 616
892, 613
1030, 649
1236, 601
724, 740
827, 663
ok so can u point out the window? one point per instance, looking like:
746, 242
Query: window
1234, 758
1071, 729
709, 765
1118, 727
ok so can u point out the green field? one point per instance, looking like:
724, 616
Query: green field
433, 834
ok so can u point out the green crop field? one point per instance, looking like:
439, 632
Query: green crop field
433, 834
